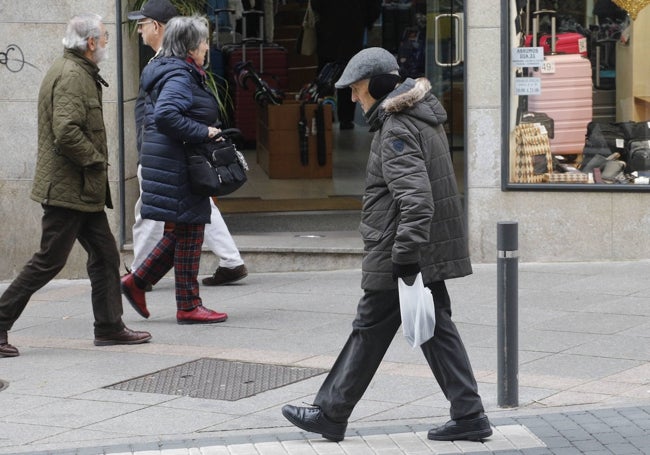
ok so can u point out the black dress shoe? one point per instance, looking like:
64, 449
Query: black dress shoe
7, 350
466, 430
314, 419
124, 336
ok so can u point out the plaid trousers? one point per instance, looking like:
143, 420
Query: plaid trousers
180, 248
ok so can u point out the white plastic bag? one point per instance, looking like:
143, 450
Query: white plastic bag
417, 310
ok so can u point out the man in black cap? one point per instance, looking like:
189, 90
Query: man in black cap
151, 21
411, 223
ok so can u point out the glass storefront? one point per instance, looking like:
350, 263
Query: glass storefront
579, 112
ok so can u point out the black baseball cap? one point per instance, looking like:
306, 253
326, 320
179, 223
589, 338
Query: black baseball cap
158, 10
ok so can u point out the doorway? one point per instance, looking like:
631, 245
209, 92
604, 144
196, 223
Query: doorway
445, 68
442, 26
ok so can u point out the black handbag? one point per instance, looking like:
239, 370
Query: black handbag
216, 168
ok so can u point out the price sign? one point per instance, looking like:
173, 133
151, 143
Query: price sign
548, 66
528, 86
527, 56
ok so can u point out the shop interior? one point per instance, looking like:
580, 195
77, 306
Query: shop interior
285, 178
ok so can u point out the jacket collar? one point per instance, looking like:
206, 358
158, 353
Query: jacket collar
88, 65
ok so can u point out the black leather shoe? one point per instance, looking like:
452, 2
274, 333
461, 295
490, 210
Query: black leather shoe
314, 419
124, 336
7, 350
466, 430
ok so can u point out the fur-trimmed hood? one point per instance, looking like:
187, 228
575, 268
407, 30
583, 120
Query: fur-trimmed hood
413, 97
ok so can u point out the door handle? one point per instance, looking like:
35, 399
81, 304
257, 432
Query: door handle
456, 22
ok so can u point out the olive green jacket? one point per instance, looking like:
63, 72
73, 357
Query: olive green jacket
72, 162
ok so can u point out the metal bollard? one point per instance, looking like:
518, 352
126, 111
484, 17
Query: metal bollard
507, 315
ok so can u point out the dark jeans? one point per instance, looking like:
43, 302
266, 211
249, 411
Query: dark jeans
377, 321
61, 227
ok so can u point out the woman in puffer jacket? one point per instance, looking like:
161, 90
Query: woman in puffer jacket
179, 111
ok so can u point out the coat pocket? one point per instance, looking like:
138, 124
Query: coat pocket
370, 233
95, 116
93, 185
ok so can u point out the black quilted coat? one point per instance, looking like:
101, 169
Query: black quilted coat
178, 109
411, 208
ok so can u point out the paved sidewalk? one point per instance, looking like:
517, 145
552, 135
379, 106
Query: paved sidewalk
583, 369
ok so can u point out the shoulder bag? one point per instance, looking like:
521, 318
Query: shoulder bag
216, 168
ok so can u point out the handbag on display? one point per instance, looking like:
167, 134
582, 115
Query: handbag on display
639, 156
533, 159
417, 311
216, 168
306, 42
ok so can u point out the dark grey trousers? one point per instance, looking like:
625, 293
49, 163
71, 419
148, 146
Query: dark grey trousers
377, 321
61, 227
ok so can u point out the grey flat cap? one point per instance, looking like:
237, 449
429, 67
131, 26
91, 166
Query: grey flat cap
367, 63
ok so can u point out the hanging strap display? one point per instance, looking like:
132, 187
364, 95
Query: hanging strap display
303, 136
321, 145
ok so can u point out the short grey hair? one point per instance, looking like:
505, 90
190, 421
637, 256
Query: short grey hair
184, 34
80, 28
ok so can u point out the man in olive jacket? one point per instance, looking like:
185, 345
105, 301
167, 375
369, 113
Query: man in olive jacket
411, 223
71, 184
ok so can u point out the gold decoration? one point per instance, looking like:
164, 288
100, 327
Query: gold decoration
633, 7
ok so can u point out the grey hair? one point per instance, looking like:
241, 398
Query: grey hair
184, 34
80, 28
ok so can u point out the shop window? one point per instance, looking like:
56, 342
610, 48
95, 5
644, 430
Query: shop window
579, 90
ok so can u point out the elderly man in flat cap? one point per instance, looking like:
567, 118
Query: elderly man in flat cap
411, 223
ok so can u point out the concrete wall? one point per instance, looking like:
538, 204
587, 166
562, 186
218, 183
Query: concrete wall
553, 226
32, 32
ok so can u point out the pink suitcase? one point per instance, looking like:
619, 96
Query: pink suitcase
566, 97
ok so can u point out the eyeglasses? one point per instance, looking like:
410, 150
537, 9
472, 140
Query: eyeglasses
140, 24
105, 35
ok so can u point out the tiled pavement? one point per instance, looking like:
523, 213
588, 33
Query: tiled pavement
584, 370
602, 431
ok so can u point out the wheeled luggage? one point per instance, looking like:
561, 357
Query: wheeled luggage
270, 62
565, 43
566, 96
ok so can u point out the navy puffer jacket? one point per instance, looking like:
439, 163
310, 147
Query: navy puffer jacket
178, 109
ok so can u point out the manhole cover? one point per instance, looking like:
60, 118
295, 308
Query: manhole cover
217, 379
3, 385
